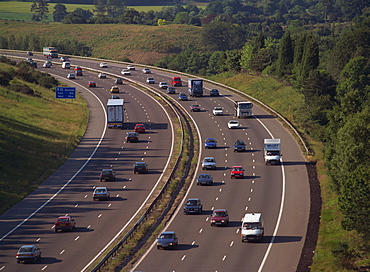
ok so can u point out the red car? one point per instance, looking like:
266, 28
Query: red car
237, 172
139, 128
64, 223
220, 217
91, 84
195, 107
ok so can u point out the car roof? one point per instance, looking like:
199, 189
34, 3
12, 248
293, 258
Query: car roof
107, 170
101, 188
140, 162
193, 199
139, 124
235, 166
168, 232
220, 210
209, 158
210, 138
28, 246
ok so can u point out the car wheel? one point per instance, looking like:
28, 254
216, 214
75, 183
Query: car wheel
56, 230
243, 241
158, 247
18, 261
197, 183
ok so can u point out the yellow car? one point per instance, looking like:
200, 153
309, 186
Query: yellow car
114, 89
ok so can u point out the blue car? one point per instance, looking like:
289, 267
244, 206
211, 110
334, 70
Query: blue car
210, 143
183, 97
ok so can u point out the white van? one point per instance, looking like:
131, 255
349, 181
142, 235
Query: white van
252, 227
66, 65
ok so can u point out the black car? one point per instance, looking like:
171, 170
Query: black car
193, 205
214, 92
141, 168
204, 179
239, 145
107, 174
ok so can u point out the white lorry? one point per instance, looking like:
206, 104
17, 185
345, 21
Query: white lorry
115, 113
243, 109
66, 65
252, 227
272, 149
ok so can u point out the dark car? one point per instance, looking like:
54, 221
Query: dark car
107, 174
132, 137
139, 128
167, 239
118, 81
195, 107
28, 253
171, 90
239, 145
64, 223
214, 92
220, 217
204, 179
29, 53
193, 205
141, 168
91, 84
183, 97
210, 143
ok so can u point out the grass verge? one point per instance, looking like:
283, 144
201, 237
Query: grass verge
38, 133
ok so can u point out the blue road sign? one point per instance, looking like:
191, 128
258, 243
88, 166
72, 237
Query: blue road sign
65, 92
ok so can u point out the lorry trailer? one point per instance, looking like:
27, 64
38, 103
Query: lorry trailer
50, 52
115, 113
195, 87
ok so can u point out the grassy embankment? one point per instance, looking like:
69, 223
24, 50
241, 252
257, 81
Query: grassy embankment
38, 133
140, 44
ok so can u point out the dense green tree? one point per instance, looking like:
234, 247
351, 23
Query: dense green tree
60, 11
40, 10
353, 91
216, 63
284, 64
310, 58
181, 18
354, 201
232, 61
353, 8
222, 36
73, 18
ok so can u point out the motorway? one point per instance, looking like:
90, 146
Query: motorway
281, 193
97, 222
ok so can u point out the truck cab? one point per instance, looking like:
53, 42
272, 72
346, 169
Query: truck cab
252, 227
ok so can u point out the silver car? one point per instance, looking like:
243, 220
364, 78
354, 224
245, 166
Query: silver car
28, 253
209, 163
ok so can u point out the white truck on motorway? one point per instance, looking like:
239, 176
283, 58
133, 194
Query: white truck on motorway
115, 113
66, 65
272, 149
252, 227
243, 109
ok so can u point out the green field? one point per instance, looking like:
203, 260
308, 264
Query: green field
21, 10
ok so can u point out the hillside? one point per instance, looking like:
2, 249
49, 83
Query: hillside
140, 44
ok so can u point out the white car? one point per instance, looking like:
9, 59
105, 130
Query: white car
101, 193
102, 75
146, 71
233, 124
131, 67
150, 80
71, 76
218, 111
125, 72
103, 65
163, 85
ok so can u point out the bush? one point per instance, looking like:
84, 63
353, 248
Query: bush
21, 88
